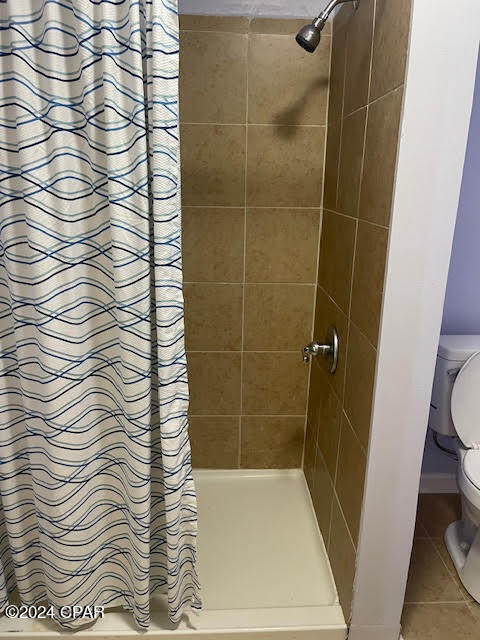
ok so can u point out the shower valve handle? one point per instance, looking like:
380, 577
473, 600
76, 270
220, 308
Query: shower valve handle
315, 348
329, 349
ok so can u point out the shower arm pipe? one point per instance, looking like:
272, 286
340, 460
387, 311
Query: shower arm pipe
320, 21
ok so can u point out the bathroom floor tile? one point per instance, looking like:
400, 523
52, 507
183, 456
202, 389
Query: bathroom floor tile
443, 551
474, 607
420, 531
452, 621
437, 606
437, 510
429, 580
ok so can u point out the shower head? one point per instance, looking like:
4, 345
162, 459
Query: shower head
309, 35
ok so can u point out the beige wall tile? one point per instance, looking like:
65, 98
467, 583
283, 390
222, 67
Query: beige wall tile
213, 165
341, 554
317, 377
213, 77
360, 376
282, 245
343, 16
322, 495
337, 74
359, 44
368, 276
214, 442
213, 316
328, 435
284, 166
336, 257
214, 383
353, 134
287, 96
429, 579
332, 165
278, 317
361, 135
352, 464
212, 244
280, 26
274, 383
390, 46
272, 443
439, 622
328, 313
380, 158
231, 24
309, 459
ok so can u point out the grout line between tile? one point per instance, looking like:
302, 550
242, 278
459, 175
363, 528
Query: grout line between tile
375, 100
245, 171
363, 335
286, 35
255, 124
319, 237
356, 436
342, 110
289, 351
453, 576
363, 220
312, 330
247, 415
240, 283
228, 206
335, 497
430, 538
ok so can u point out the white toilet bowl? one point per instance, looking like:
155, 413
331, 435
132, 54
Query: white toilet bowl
463, 536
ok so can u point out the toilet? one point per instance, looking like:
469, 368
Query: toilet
455, 412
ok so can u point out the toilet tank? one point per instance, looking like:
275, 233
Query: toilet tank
453, 352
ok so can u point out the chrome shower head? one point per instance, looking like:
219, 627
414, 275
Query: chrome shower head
309, 36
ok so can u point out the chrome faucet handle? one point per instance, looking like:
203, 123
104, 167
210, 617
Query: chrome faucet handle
314, 348
329, 349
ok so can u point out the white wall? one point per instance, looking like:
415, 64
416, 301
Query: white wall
265, 8
461, 313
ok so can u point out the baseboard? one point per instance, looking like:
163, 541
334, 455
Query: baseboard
438, 483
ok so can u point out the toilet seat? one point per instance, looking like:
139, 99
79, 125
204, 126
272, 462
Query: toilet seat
465, 403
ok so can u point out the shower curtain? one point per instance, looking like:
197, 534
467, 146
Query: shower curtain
97, 499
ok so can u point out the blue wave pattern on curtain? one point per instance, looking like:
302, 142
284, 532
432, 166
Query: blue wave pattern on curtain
98, 504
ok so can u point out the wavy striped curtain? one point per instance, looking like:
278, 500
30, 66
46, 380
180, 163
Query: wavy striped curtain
97, 500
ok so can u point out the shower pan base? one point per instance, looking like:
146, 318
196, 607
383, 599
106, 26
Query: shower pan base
262, 563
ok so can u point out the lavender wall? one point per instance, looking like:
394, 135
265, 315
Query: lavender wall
461, 312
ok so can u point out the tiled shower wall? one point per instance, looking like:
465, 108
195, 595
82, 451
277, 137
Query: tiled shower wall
253, 112
369, 52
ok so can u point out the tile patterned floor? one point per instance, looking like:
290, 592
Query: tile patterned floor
437, 607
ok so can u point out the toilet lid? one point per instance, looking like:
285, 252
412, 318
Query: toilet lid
465, 403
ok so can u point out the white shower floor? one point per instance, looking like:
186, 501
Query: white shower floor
262, 565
